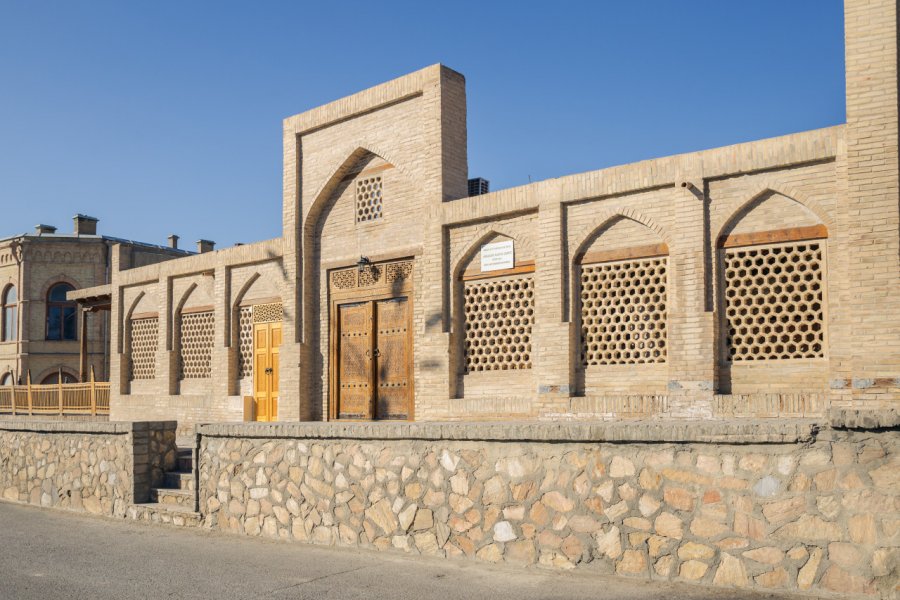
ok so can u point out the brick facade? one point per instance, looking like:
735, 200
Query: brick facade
33, 264
822, 330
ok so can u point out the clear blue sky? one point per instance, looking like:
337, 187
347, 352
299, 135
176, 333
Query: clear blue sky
176, 107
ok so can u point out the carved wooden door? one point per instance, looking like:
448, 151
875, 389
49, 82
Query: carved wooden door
392, 359
373, 370
266, 345
354, 359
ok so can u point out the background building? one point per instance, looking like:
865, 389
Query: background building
40, 328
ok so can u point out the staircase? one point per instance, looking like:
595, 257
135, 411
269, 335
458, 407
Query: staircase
175, 502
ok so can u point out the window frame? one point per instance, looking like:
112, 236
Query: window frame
61, 306
8, 308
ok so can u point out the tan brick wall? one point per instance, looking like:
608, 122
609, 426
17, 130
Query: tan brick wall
411, 131
222, 280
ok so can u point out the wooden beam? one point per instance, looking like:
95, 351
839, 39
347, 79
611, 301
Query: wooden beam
145, 315
197, 309
623, 254
774, 236
525, 266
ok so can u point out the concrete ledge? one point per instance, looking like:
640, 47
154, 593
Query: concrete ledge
89, 427
744, 431
849, 418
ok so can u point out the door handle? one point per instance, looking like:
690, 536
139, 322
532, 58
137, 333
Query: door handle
376, 353
269, 371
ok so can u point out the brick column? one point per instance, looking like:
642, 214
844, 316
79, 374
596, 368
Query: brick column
221, 373
872, 215
552, 339
167, 356
118, 365
691, 335
295, 401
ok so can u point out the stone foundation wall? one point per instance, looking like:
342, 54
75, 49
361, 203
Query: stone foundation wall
98, 468
769, 506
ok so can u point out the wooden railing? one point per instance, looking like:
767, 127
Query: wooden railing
88, 398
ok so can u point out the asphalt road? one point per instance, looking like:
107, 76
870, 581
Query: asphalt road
49, 555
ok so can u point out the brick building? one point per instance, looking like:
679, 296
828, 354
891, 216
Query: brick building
751, 280
41, 330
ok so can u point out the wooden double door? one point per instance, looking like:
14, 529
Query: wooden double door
372, 359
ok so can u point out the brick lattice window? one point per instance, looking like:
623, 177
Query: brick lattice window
368, 199
245, 342
196, 344
623, 312
498, 318
774, 307
144, 336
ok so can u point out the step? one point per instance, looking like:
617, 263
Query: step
185, 460
171, 514
172, 496
179, 480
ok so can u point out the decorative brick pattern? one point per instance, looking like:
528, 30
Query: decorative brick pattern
144, 338
368, 199
245, 339
196, 345
268, 313
398, 271
623, 312
773, 302
498, 316
344, 279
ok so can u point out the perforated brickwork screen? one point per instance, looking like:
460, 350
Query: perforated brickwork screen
245, 342
196, 344
144, 337
368, 199
623, 312
773, 301
498, 319
268, 313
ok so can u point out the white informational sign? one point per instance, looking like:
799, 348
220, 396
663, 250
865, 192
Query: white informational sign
497, 256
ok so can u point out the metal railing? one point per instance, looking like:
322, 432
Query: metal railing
87, 398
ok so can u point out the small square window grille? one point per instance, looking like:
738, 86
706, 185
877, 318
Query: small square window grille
368, 199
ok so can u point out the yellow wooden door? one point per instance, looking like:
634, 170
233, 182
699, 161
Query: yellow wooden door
266, 345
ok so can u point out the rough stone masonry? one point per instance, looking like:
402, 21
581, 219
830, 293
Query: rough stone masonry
766, 507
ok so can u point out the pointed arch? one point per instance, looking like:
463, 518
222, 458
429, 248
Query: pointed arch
323, 194
312, 221
479, 238
774, 186
239, 297
184, 298
585, 235
134, 304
